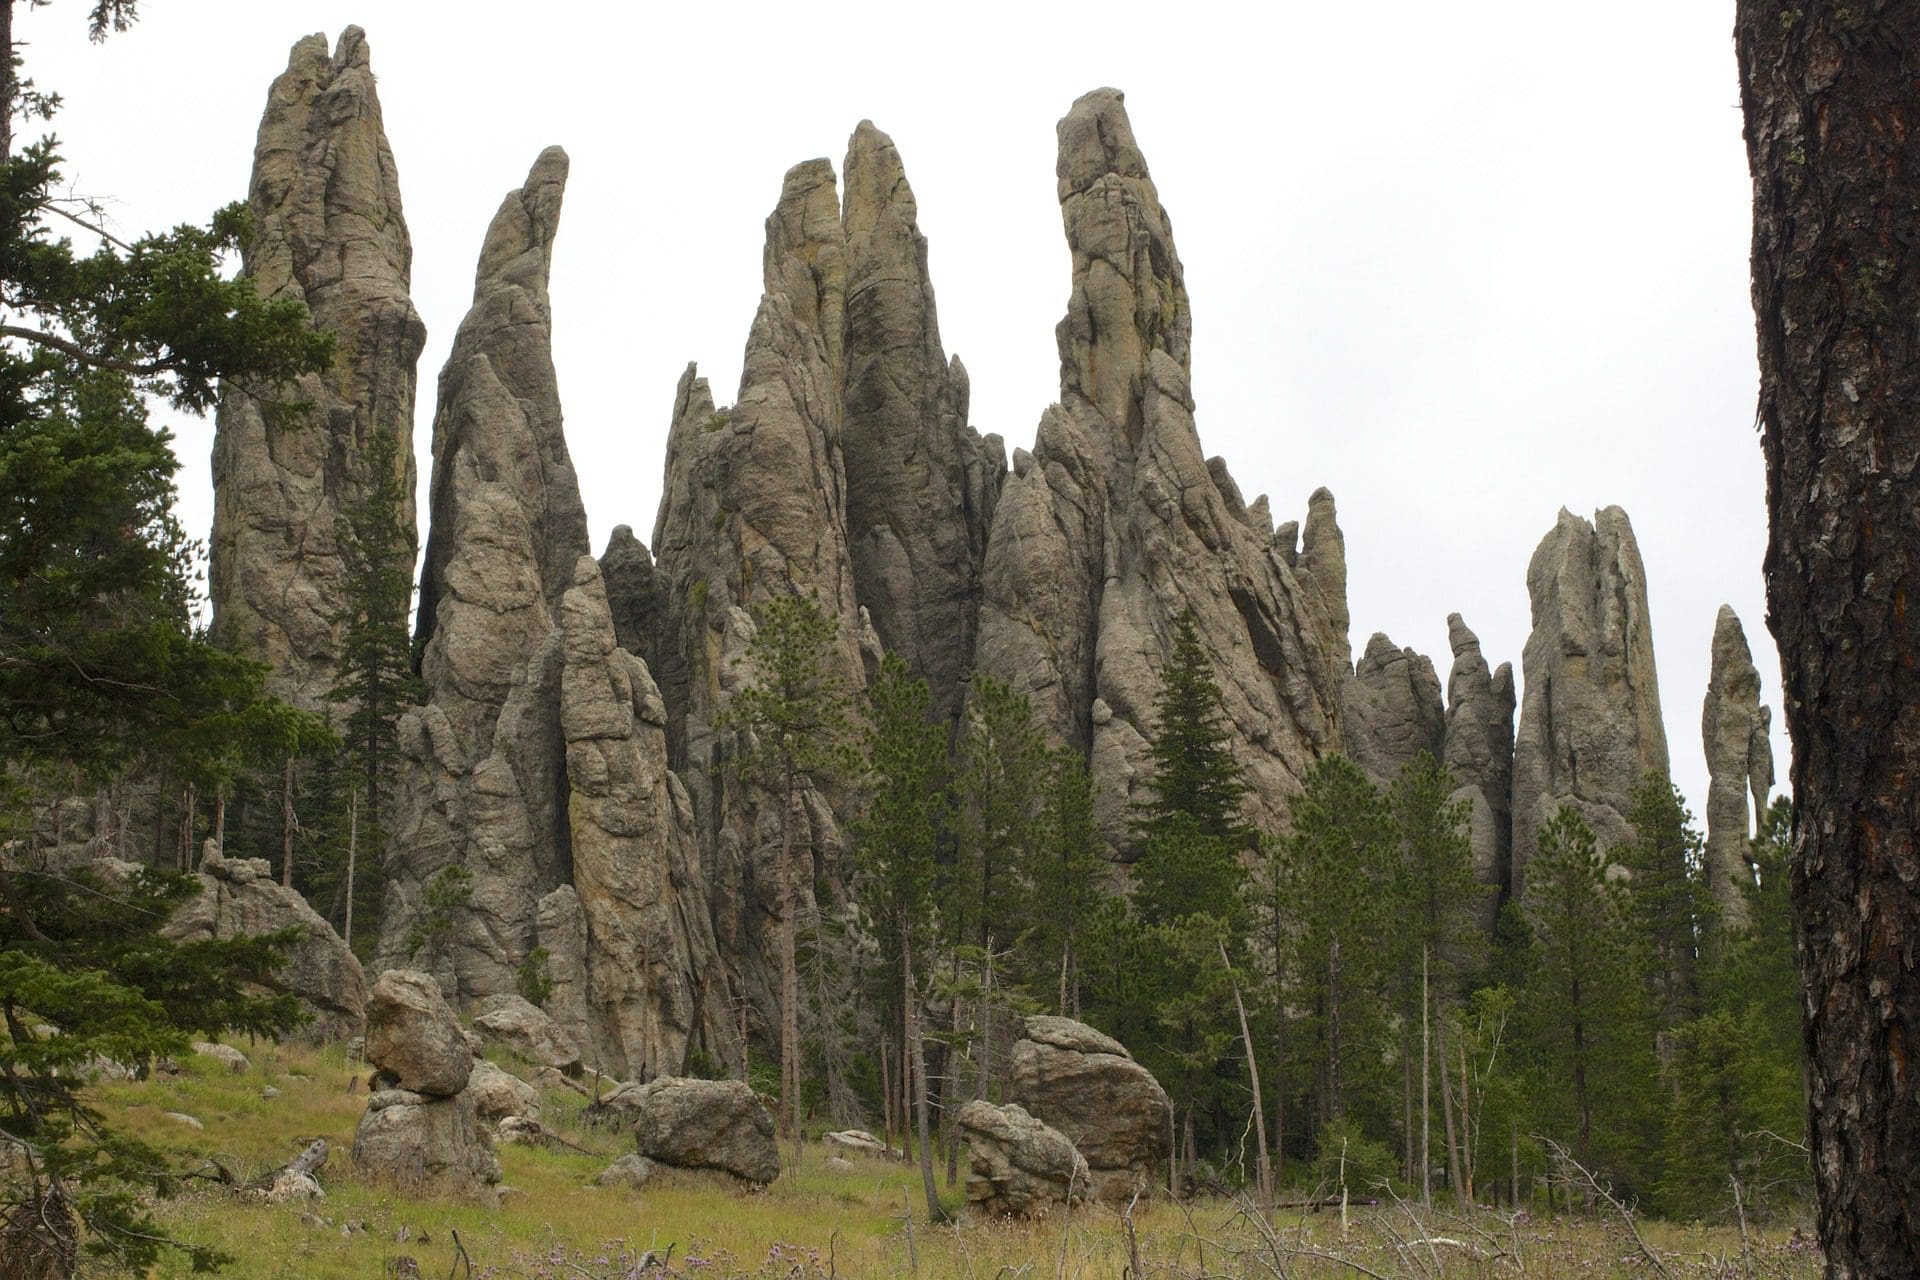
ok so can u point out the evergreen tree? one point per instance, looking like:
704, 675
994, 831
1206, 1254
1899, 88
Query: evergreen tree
1002, 779
376, 682
1667, 897
1066, 880
897, 841
1196, 783
795, 734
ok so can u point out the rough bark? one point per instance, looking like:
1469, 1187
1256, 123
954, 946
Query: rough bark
1828, 94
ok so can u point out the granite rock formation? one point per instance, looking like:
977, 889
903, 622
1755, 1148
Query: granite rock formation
240, 896
1737, 731
1392, 710
1018, 1166
1590, 727
328, 231
1087, 1086
1114, 525
1478, 751
702, 1124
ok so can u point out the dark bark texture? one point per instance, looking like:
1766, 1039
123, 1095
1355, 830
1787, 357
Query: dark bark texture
1831, 92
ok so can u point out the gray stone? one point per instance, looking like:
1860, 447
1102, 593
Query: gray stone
181, 1117
427, 1146
630, 1171
516, 1024
1737, 731
1017, 1166
1590, 727
224, 1054
1086, 1085
1393, 710
327, 231
413, 1036
1479, 754
701, 1124
240, 896
1117, 525
498, 1094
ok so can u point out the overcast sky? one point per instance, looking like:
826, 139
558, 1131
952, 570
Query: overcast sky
1464, 264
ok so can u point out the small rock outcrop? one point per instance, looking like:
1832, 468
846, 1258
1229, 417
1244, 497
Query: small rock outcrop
1590, 727
498, 1094
701, 1124
1086, 1085
329, 232
1018, 1167
1115, 525
520, 1026
1479, 753
630, 1171
1737, 731
422, 1128
1393, 710
241, 896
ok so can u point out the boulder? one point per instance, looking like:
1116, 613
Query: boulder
518, 1025
224, 1054
413, 1036
1086, 1085
702, 1124
427, 1146
858, 1140
1018, 1166
630, 1171
241, 896
498, 1094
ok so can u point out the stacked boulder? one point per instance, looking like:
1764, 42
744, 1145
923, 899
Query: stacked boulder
1086, 1085
1018, 1166
422, 1129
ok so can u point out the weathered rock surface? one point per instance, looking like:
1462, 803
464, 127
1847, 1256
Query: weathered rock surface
224, 1054
921, 485
1590, 726
1017, 1166
413, 1036
702, 1124
1114, 525
1393, 710
517, 1024
498, 1094
1479, 754
1086, 1085
477, 787
429, 1146
1737, 731
630, 1171
328, 231
240, 896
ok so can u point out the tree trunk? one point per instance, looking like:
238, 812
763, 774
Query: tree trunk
918, 1057
1334, 1111
1454, 1178
1833, 142
1253, 1077
353, 842
1426, 1088
6, 80
220, 821
286, 824
789, 980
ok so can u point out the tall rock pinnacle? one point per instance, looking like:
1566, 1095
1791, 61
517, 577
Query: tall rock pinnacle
1737, 732
1479, 754
1115, 524
1590, 726
328, 231
1393, 710
921, 485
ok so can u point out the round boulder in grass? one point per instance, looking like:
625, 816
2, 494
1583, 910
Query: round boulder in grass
702, 1124
414, 1037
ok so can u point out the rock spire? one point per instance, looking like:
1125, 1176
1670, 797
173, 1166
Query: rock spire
328, 231
1737, 731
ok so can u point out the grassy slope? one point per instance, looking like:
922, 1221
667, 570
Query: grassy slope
822, 1221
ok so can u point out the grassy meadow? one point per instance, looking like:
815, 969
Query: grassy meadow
819, 1221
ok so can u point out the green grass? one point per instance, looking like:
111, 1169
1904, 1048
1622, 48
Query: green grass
813, 1222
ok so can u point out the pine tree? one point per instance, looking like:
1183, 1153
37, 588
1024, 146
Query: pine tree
1196, 782
909, 813
1668, 903
795, 734
1066, 880
376, 682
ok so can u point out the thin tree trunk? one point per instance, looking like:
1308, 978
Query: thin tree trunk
6, 80
911, 1027
286, 824
353, 843
190, 801
789, 979
1334, 1111
220, 820
1831, 115
1253, 1076
1426, 1088
1454, 1178
160, 791
1466, 1128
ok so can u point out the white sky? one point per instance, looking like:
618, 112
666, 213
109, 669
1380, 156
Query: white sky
1463, 264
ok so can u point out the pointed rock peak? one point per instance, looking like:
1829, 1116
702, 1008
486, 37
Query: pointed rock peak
621, 542
351, 49
519, 243
1096, 139
1737, 733
876, 182
1460, 637
1323, 558
806, 218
